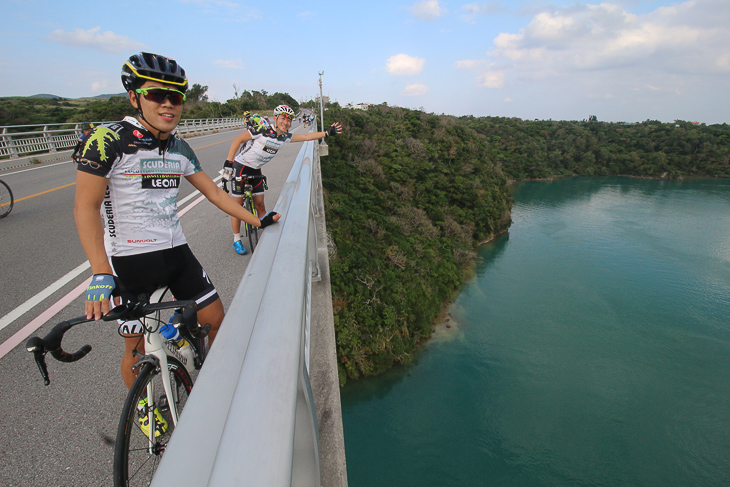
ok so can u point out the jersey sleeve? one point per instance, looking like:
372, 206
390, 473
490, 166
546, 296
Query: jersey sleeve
99, 152
184, 149
257, 130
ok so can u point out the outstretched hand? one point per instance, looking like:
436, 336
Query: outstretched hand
334, 129
269, 219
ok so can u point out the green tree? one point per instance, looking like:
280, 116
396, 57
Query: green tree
197, 94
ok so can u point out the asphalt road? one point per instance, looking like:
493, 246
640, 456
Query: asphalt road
62, 434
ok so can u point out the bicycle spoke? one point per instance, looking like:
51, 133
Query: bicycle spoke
136, 458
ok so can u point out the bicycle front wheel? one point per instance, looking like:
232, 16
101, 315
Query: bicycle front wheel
253, 232
6, 199
147, 414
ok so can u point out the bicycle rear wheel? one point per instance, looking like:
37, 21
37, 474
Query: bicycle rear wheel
135, 457
251, 231
6, 199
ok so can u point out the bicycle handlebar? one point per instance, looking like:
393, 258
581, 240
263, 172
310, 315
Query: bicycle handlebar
52, 343
39, 347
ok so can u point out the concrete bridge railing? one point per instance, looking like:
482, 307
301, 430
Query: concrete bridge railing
251, 417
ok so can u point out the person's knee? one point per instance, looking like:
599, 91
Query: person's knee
212, 314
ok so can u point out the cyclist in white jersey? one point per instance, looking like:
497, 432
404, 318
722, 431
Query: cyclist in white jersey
266, 142
130, 172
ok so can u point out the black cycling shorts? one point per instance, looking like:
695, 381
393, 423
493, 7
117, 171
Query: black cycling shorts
176, 268
241, 171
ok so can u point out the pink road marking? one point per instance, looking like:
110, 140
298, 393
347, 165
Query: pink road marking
25, 332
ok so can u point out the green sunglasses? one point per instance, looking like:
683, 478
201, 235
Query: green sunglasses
158, 95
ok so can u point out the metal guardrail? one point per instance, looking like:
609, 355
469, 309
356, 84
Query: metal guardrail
250, 419
19, 140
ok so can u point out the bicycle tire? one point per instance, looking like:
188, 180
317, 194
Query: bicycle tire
251, 231
134, 463
6, 199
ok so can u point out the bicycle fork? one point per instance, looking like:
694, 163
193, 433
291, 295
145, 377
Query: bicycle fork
154, 348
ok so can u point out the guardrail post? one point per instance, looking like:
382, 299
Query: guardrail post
9, 143
49, 139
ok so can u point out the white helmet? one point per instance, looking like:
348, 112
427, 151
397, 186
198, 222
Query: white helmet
283, 110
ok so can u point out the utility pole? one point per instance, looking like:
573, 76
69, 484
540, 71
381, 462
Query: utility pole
323, 149
321, 102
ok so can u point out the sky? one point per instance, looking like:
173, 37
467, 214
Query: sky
620, 60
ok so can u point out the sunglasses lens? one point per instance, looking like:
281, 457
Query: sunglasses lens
159, 95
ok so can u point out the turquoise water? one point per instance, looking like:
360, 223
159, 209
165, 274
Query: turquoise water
592, 348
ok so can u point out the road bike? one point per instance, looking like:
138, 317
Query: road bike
249, 230
156, 399
6, 199
248, 182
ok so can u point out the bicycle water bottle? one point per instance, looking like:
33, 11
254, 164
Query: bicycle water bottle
179, 344
172, 334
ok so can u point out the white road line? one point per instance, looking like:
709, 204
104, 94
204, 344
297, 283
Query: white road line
36, 168
38, 298
51, 311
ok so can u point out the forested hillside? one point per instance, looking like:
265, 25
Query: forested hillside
542, 149
408, 198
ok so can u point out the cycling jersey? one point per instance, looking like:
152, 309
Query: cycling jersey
264, 147
139, 211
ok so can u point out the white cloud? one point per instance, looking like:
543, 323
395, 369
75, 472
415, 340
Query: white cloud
473, 10
404, 65
230, 63
491, 79
427, 10
416, 89
581, 40
106, 41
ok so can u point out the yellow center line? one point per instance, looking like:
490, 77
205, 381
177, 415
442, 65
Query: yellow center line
43, 192
214, 143
71, 184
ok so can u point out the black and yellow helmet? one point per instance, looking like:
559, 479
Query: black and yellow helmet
146, 66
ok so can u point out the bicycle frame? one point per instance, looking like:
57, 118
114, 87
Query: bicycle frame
156, 351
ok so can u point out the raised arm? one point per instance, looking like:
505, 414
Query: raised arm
334, 129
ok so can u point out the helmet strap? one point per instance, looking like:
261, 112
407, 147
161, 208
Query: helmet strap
140, 114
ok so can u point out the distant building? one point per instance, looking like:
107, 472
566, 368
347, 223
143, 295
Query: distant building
325, 98
359, 106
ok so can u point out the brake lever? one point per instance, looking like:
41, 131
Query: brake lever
36, 346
